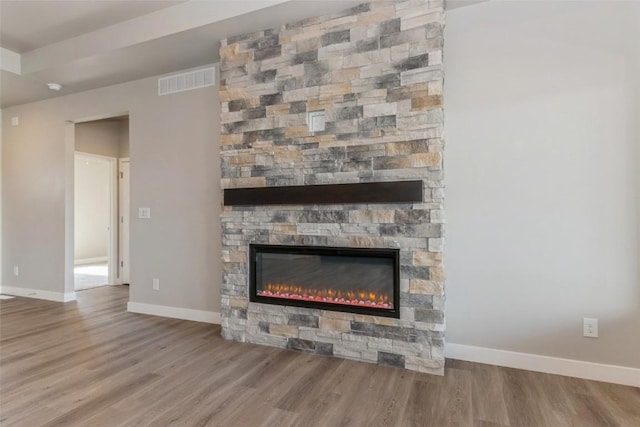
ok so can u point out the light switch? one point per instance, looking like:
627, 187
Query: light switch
144, 213
15, 121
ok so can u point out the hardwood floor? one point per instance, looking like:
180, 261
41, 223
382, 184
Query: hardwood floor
90, 363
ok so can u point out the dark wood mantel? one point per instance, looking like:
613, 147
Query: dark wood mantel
373, 192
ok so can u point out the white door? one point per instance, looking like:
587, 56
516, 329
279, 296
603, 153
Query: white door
124, 221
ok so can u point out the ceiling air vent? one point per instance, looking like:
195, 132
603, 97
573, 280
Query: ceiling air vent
186, 81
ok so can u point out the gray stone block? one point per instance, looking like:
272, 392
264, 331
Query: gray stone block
264, 76
416, 300
266, 53
303, 320
412, 63
336, 37
391, 359
429, 315
301, 58
271, 99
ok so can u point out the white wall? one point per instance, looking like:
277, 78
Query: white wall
92, 208
542, 178
175, 171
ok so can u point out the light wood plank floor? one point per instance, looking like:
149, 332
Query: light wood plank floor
90, 363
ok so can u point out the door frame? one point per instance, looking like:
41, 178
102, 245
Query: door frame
121, 229
112, 251
69, 202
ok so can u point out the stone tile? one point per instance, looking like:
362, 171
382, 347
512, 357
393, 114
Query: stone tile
283, 330
335, 37
303, 320
391, 359
429, 316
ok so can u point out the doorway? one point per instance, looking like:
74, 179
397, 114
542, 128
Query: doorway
94, 220
101, 202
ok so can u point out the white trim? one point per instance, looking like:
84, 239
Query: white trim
38, 294
551, 365
174, 312
96, 260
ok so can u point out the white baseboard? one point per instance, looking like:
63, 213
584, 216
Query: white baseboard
96, 260
550, 365
38, 294
174, 312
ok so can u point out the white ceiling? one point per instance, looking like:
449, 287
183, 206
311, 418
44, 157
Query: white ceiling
30, 24
86, 44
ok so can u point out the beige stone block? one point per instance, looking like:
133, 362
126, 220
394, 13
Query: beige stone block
307, 45
237, 256
296, 132
427, 287
345, 75
400, 52
229, 117
229, 51
437, 273
230, 94
427, 259
238, 302
426, 159
254, 181
331, 90
239, 59
435, 87
428, 102
284, 330
332, 23
303, 94
288, 156
387, 321
403, 148
377, 15
324, 140
372, 216
244, 159
290, 120
289, 229
333, 324
277, 110
231, 139
307, 34
366, 242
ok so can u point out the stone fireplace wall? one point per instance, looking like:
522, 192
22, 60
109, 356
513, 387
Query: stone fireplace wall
376, 71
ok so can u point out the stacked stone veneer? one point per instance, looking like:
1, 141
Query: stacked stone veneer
376, 71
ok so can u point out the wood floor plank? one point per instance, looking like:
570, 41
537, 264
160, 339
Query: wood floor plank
91, 363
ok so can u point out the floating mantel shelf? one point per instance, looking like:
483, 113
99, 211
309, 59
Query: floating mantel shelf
373, 192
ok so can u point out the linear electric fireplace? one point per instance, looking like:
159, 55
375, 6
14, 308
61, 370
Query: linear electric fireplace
355, 280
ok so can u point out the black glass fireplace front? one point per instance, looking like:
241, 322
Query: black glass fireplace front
357, 280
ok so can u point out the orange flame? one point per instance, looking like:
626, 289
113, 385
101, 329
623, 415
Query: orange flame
331, 294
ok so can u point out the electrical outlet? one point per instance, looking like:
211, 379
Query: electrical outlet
590, 327
16, 270
156, 284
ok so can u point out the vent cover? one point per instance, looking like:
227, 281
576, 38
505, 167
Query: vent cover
186, 81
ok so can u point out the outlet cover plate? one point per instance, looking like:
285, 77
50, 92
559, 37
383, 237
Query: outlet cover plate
590, 327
